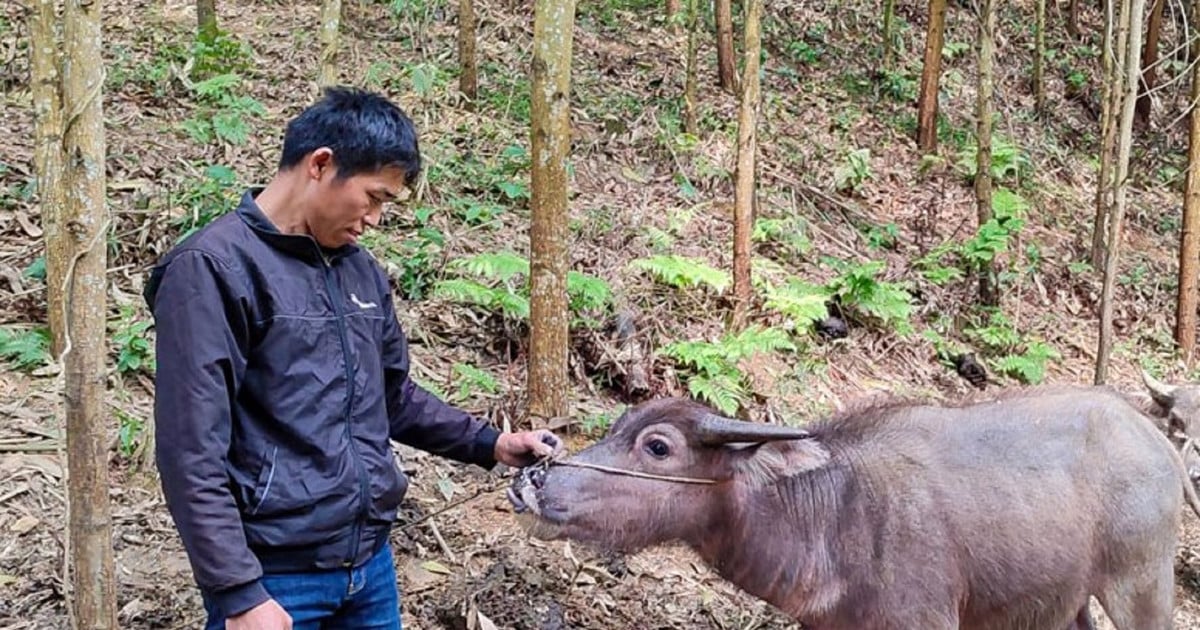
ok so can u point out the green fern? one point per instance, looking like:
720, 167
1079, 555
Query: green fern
858, 288
501, 266
683, 272
1030, 366
801, 302
587, 292
498, 281
25, 349
721, 391
714, 373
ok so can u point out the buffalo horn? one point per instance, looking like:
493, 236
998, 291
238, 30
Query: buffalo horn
714, 430
1162, 393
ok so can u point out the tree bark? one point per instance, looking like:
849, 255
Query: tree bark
468, 78
672, 13
554, 21
1189, 236
45, 88
989, 294
1131, 26
691, 87
86, 227
1108, 133
206, 19
927, 103
1150, 62
744, 197
331, 14
727, 73
889, 20
1039, 59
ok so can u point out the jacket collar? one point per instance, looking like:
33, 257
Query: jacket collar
301, 246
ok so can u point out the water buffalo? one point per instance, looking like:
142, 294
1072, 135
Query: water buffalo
1002, 514
1176, 411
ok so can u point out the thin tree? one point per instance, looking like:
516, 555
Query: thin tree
1189, 233
331, 14
927, 100
691, 82
206, 20
673, 15
468, 78
1073, 19
889, 25
553, 27
1150, 61
726, 71
1039, 58
1110, 103
85, 348
1131, 27
989, 294
46, 91
744, 197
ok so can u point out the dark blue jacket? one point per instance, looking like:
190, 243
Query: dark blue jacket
282, 373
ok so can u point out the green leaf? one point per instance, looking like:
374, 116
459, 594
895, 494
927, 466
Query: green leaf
683, 272
433, 566
25, 349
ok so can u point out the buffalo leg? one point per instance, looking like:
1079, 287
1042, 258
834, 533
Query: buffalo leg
1142, 604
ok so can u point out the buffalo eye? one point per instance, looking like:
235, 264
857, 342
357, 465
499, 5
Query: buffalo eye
658, 448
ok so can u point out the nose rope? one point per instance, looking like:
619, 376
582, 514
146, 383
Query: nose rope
631, 473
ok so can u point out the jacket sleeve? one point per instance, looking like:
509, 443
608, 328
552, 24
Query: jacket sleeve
419, 418
202, 330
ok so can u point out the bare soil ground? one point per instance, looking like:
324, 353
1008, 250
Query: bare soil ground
642, 188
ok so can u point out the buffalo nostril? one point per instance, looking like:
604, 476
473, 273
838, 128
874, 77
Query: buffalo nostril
537, 477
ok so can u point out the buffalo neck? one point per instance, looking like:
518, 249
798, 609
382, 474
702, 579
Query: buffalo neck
785, 542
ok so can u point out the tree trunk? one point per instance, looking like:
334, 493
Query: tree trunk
691, 87
1131, 26
206, 20
86, 222
743, 205
726, 70
1039, 59
927, 103
468, 78
1108, 133
45, 88
1073, 19
331, 13
672, 15
1150, 62
1189, 236
554, 21
889, 21
989, 294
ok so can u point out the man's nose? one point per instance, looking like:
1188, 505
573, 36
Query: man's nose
372, 218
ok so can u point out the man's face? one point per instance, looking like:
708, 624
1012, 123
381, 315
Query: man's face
344, 208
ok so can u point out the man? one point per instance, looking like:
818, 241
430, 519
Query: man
282, 374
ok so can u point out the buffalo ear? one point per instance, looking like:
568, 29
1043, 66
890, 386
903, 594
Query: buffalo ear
763, 464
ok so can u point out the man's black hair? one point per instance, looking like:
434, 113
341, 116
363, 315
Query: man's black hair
365, 131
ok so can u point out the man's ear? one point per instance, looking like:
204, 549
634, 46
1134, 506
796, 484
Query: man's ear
320, 163
762, 464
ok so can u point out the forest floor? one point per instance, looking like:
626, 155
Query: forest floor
841, 188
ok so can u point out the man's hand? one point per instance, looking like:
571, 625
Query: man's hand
268, 615
526, 447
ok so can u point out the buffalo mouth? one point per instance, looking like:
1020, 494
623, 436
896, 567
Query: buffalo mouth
527, 497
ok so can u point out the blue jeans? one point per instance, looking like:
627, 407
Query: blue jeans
366, 598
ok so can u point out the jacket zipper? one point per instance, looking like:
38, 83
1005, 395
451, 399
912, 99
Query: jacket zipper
358, 463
